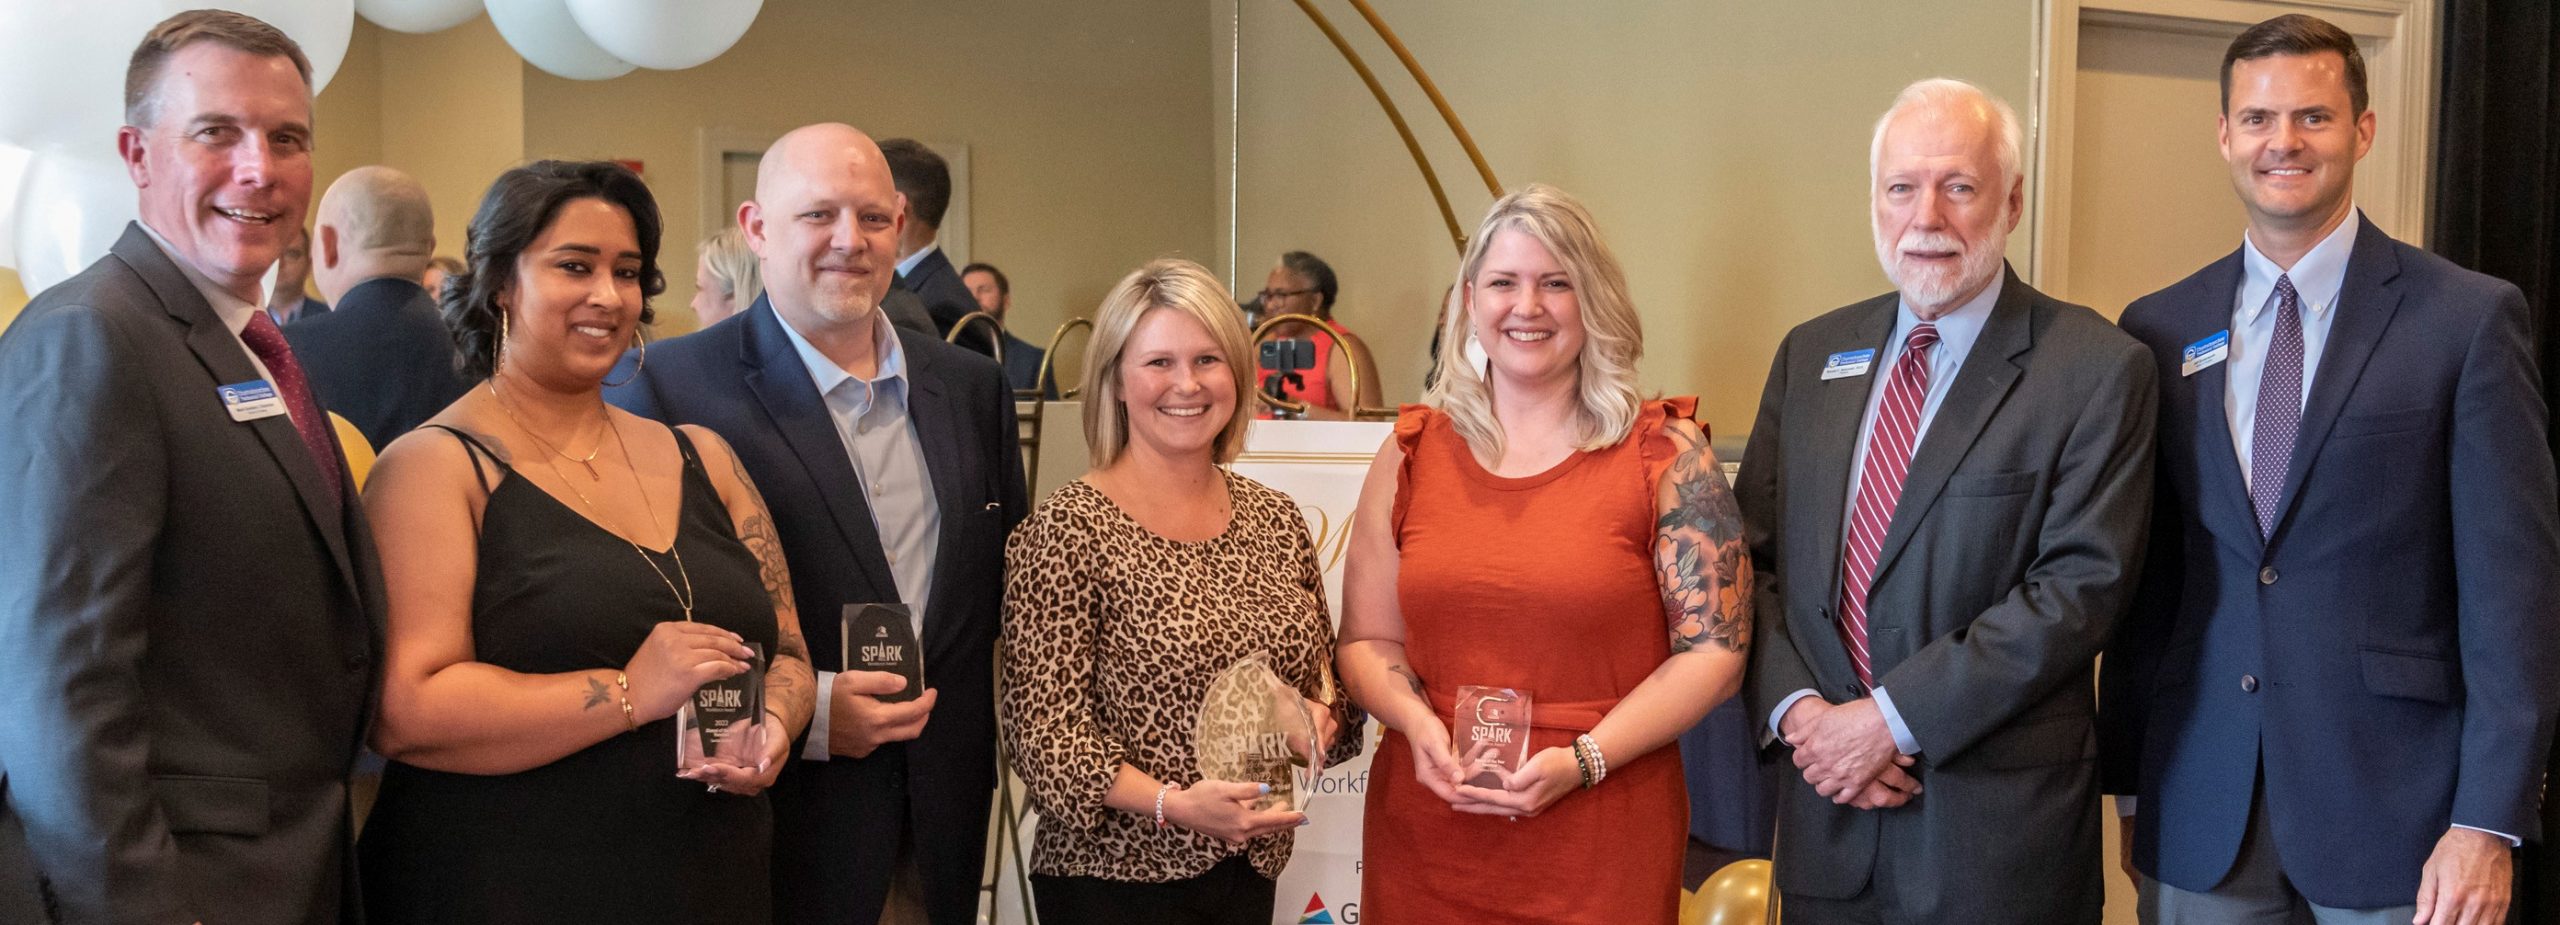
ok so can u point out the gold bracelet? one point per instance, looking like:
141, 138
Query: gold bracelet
630, 717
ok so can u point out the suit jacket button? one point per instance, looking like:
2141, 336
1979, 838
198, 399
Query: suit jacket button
2267, 576
2248, 684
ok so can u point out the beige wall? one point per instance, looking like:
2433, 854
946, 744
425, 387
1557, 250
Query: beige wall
1722, 146
1083, 120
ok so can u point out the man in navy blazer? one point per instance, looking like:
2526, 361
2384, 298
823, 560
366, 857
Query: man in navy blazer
382, 358
891, 462
925, 180
2335, 694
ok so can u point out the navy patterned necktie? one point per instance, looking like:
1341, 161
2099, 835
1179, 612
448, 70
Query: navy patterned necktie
2279, 408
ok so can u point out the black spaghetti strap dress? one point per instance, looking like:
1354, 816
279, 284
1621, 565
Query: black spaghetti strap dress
608, 834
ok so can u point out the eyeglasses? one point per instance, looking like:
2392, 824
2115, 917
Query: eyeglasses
1270, 294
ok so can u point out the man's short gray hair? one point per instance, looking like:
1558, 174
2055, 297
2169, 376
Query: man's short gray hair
1949, 93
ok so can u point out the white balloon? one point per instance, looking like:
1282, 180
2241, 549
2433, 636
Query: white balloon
70, 210
321, 27
418, 15
63, 63
665, 34
543, 32
13, 168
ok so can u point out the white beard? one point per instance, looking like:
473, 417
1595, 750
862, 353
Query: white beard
1936, 286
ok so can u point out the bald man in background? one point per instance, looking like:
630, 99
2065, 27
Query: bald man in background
890, 460
382, 358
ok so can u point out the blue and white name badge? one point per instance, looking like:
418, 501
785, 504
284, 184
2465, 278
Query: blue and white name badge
251, 400
1848, 363
2206, 353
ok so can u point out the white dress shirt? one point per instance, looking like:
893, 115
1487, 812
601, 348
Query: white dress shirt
234, 311
1957, 331
871, 417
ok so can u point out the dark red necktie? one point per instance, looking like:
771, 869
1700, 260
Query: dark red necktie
1889, 448
267, 341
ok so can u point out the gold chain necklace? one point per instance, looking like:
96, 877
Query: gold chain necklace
684, 598
589, 461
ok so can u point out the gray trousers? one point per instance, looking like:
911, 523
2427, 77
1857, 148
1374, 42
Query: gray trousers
2255, 892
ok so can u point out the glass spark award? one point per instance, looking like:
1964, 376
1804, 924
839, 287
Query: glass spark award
1255, 728
882, 637
723, 722
1490, 734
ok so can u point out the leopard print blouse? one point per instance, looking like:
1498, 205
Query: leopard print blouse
1111, 637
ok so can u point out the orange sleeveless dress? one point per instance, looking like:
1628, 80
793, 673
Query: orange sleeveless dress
1543, 583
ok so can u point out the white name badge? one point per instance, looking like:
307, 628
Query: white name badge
2206, 354
1848, 363
251, 400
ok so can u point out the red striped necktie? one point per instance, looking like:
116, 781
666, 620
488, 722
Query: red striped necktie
1889, 447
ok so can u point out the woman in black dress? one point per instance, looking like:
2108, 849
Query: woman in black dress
561, 577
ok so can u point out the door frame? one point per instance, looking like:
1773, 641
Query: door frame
2400, 66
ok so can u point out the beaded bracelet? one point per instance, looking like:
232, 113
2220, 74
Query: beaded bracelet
1599, 763
1160, 792
1582, 761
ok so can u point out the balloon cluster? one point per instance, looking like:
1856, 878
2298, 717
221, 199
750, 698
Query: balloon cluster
64, 195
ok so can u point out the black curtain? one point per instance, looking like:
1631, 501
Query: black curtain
2497, 210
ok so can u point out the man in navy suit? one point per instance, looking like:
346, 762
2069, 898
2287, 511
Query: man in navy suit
891, 461
925, 180
2334, 696
382, 359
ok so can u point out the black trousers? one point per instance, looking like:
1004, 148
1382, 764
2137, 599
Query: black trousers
1232, 893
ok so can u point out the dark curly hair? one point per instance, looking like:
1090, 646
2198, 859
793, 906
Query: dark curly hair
518, 207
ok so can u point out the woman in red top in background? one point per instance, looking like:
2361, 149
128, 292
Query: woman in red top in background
1538, 526
1303, 284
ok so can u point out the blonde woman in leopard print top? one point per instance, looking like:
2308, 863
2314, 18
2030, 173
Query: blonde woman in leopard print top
1126, 592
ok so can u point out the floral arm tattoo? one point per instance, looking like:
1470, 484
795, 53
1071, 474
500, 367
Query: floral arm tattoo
791, 688
1699, 557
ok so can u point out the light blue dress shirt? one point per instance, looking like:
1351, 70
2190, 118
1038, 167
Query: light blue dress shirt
871, 417
907, 264
1957, 331
2317, 278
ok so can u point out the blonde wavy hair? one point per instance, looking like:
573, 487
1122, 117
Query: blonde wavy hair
1612, 341
1178, 285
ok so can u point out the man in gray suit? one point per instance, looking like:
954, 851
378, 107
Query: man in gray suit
1946, 493
188, 611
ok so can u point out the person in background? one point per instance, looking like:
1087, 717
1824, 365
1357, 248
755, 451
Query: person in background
439, 269
1022, 361
1538, 526
1303, 284
192, 607
563, 576
382, 359
288, 303
725, 278
924, 182
1113, 633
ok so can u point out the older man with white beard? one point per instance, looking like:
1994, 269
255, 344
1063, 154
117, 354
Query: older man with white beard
1947, 493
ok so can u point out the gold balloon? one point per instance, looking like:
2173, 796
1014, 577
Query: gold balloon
1739, 894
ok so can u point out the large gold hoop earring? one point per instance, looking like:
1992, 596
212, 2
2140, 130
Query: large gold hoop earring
642, 334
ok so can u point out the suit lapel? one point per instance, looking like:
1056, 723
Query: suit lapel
1981, 385
2366, 304
774, 372
227, 361
1842, 405
929, 406
2222, 494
